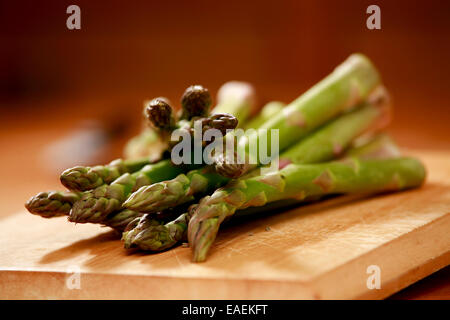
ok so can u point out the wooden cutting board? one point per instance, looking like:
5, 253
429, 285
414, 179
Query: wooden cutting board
316, 251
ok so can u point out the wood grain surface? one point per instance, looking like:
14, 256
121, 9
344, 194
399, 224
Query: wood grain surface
316, 251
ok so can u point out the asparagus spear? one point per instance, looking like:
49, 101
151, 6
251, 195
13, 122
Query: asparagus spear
52, 203
153, 141
158, 237
298, 182
96, 204
149, 142
136, 226
146, 144
161, 237
120, 220
349, 85
325, 144
58, 203
145, 221
367, 147
195, 102
267, 112
332, 139
380, 146
81, 178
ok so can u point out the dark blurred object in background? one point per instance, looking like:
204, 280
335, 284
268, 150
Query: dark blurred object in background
88, 143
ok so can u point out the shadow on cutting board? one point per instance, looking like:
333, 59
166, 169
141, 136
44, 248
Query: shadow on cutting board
94, 244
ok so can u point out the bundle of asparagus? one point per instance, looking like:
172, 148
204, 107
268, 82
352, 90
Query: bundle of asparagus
96, 193
330, 139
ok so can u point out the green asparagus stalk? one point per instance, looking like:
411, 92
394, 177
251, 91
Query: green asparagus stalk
267, 112
367, 147
162, 237
325, 144
81, 178
146, 144
349, 85
120, 220
52, 203
334, 138
380, 146
299, 182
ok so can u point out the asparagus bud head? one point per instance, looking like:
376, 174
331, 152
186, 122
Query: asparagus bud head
195, 102
52, 203
159, 113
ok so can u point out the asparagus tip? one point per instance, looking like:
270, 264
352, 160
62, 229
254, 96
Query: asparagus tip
229, 166
51, 204
159, 113
195, 102
202, 233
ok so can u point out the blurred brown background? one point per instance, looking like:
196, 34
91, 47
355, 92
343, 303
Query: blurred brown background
127, 51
